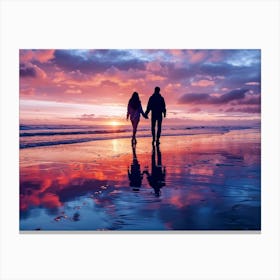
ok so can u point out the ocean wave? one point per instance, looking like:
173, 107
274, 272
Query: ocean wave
53, 133
89, 139
54, 126
68, 141
52, 138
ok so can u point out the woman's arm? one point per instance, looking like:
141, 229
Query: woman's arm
128, 112
142, 112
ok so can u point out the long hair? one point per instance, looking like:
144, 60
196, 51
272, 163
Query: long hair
134, 101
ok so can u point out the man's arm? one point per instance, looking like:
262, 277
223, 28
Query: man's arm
148, 107
164, 107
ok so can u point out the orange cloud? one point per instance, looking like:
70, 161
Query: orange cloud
203, 83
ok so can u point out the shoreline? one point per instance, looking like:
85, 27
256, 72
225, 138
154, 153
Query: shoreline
115, 137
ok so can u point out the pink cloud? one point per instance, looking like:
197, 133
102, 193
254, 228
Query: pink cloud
59, 76
194, 110
252, 84
37, 55
203, 83
196, 56
73, 91
153, 66
27, 91
176, 52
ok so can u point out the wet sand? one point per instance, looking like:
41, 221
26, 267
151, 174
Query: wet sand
199, 182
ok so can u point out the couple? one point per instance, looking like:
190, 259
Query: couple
156, 104
156, 177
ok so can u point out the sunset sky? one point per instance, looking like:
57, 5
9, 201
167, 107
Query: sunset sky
89, 87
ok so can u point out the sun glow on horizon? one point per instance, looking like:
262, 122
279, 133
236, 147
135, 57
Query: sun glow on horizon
114, 123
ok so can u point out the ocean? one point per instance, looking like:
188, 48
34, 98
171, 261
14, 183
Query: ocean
49, 135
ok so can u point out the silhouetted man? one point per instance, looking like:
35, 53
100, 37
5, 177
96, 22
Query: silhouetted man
156, 178
156, 104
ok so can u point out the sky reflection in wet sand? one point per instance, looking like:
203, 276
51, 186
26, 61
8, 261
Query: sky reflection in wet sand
189, 183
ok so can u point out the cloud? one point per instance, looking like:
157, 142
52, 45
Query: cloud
235, 75
154, 66
87, 117
27, 91
194, 98
232, 95
196, 56
73, 91
109, 83
249, 100
25, 71
29, 70
96, 61
215, 69
221, 66
179, 73
41, 56
245, 57
194, 110
204, 98
203, 83
252, 84
248, 109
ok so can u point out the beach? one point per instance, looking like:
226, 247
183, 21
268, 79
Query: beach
207, 181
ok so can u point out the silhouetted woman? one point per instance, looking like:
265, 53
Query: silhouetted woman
134, 110
134, 173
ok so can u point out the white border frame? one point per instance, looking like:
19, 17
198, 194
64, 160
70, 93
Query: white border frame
139, 24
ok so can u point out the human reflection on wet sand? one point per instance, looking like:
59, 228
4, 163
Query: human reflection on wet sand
134, 173
156, 178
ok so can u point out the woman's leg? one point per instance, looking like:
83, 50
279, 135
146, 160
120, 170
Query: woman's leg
134, 125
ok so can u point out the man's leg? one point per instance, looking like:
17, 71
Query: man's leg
153, 124
159, 121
